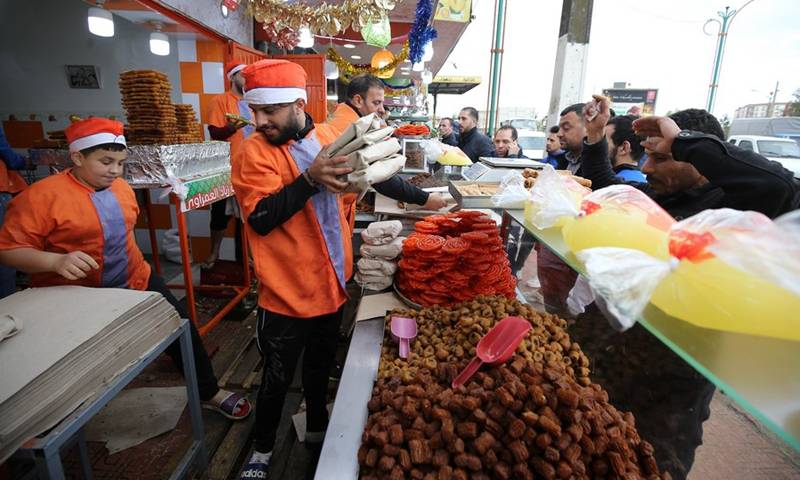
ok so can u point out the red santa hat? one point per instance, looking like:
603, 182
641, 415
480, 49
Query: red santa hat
91, 132
268, 82
233, 67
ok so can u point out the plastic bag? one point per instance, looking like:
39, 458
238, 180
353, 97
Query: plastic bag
729, 290
511, 192
384, 252
171, 246
445, 154
762, 240
381, 233
555, 199
373, 282
619, 216
370, 266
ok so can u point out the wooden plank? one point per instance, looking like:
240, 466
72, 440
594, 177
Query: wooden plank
229, 451
215, 427
249, 362
256, 375
247, 346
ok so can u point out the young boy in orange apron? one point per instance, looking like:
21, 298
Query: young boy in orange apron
77, 228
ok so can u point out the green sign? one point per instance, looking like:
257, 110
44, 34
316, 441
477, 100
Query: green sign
205, 191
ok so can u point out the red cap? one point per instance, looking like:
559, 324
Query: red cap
233, 67
268, 82
92, 132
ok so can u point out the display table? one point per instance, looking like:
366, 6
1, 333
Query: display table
759, 373
46, 451
339, 457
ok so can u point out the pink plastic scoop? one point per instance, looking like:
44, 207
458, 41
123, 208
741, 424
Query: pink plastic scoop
496, 347
404, 330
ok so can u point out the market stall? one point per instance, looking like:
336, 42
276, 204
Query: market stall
664, 358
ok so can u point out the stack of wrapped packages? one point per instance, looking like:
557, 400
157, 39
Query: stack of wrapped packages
371, 152
378, 263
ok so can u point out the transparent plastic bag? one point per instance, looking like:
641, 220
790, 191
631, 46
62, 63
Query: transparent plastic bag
555, 199
445, 154
620, 216
728, 270
512, 192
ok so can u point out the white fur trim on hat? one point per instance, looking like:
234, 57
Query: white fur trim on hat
96, 139
273, 95
235, 70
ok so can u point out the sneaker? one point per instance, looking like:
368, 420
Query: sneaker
255, 471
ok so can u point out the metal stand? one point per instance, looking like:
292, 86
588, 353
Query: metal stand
46, 451
186, 259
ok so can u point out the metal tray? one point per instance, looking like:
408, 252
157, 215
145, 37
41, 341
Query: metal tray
471, 201
511, 162
415, 306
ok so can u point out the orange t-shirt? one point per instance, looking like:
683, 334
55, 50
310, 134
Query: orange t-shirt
58, 215
220, 105
295, 273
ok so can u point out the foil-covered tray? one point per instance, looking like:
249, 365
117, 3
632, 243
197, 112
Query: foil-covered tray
155, 165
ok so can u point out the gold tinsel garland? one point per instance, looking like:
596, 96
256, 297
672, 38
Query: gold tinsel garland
323, 19
347, 69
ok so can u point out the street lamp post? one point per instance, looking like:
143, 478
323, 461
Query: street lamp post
722, 35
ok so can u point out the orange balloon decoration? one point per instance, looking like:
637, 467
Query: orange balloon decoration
381, 59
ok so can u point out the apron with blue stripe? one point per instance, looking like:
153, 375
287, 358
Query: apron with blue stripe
326, 204
115, 254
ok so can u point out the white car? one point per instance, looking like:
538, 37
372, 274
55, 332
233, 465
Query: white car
782, 150
532, 143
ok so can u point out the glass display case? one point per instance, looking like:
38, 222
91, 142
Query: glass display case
663, 370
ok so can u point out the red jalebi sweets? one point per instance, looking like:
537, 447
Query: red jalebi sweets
452, 258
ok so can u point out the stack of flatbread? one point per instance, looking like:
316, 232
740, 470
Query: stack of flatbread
72, 343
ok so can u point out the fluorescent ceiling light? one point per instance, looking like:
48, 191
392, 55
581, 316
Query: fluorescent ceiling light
101, 22
159, 44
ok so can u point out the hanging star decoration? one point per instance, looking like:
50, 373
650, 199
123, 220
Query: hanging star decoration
421, 32
281, 21
347, 69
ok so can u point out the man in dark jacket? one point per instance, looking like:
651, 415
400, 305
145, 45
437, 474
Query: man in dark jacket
699, 171
689, 169
505, 143
473, 143
447, 134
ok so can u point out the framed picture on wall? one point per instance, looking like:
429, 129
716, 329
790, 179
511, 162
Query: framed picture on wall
83, 76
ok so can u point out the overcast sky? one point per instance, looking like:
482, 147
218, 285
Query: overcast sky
648, 43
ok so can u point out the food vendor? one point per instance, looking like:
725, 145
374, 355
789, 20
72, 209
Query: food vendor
76, 228
364, 96
301, 242
224, 125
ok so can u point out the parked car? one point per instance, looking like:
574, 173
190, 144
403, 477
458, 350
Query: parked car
532, 143
522, 123
782, 150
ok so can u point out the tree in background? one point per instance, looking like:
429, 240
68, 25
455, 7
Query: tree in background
793, 109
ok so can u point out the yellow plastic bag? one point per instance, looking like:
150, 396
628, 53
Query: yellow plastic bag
728, 270
616, 216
